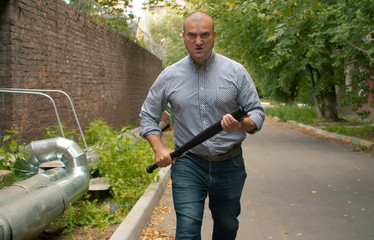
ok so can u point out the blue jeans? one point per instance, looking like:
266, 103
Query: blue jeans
193, 179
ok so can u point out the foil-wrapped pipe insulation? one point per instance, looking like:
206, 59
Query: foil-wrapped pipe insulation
27, 207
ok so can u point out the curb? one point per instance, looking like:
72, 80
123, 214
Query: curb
132, 227
337, 136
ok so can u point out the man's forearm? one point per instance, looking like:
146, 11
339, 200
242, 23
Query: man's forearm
155, 141
248, 125
162, 153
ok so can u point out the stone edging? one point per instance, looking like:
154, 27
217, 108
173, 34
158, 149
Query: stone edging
337, 136
132, 227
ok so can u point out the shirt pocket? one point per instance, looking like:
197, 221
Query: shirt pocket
225, 97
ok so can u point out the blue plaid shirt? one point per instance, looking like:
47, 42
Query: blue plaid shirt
199, 97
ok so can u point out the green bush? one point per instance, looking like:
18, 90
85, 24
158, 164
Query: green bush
96, 131
122, 161
55, 131
87, 213
10, 150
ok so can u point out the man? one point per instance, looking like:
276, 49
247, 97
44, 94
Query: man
203, 88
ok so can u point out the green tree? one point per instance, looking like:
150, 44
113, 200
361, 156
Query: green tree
106, 11
166, 28
292, 43
352, 33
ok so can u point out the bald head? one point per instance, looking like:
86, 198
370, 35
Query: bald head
198, 16
198, 36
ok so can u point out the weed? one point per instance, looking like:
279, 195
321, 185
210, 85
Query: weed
11, 149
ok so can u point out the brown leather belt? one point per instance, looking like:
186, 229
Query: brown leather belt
233, 152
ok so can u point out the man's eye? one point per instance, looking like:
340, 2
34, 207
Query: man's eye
205, 35
191, 35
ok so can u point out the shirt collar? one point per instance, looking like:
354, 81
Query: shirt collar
207, 64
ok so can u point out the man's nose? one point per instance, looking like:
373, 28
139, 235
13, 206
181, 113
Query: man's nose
199, 41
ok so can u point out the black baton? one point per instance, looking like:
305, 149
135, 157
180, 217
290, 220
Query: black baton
238, 114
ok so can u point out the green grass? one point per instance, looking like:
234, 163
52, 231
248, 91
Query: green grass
365, 131
304, 115
307, 115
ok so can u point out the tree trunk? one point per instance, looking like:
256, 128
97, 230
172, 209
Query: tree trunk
331, 105
315, 99
293, 89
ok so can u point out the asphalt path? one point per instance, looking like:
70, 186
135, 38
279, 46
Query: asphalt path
303, 187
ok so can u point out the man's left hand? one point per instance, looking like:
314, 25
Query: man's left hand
230, 124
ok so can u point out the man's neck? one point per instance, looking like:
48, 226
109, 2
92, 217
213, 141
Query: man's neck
200, 63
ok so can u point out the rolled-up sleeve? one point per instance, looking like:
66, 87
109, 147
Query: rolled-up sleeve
248, 98
153, 107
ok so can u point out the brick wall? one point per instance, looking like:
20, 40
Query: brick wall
47, 44
348, 110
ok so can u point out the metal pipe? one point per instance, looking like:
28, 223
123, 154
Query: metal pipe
56, 91
27, 207
42, 94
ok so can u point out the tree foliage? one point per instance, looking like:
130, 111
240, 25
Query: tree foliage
298, 48
167, 28
106, 11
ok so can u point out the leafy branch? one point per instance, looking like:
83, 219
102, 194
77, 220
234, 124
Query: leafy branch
360, 49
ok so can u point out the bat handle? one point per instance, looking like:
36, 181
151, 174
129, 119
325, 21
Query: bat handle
153, 167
